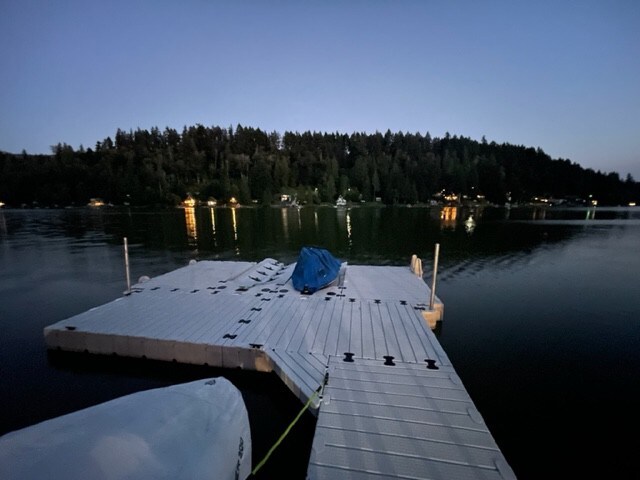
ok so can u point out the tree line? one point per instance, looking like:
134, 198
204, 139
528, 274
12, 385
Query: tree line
154, 167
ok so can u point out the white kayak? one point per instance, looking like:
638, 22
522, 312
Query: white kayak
189, 431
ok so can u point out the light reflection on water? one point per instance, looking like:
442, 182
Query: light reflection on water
542, 306
213, 226
365, 235
192, 226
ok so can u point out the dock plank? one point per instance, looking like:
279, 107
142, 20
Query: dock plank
303, 373
305, 313
348, 327
380, 347
339, 327
325, 325
320, 316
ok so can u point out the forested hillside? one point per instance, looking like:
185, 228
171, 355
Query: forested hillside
160, 167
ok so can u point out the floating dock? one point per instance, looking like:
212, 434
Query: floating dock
391, 404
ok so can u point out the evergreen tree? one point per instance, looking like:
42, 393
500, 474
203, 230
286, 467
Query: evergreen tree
153, 166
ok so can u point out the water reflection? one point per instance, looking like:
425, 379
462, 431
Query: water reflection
349, 240
448, 217
539, 214
379, 235
470, 224
190, 221
591, 214
285, 223
234, 224
297, 210
213, 226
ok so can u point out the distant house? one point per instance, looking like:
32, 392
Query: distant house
189, 202
288, 200
452, 199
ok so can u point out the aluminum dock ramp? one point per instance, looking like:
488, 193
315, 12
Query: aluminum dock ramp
391, 406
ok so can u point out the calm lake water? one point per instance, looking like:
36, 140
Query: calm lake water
542, 316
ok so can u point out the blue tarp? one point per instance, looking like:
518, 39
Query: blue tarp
316, 268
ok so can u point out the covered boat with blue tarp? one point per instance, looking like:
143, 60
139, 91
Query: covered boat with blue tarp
315, 269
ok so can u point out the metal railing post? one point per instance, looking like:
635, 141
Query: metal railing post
433, 279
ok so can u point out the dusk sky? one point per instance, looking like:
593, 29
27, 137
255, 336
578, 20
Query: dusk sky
560, 75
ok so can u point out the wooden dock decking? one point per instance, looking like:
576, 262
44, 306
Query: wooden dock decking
393, 405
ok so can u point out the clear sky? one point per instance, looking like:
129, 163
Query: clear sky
560, 75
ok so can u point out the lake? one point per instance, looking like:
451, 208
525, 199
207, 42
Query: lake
542, 315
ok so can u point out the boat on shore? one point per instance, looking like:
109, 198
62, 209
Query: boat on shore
187, 431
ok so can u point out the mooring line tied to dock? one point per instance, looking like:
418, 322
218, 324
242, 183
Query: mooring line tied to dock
288, 429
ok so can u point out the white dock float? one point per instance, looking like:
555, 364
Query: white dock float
400, 421
392, 406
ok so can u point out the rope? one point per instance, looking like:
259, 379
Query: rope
286, 432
